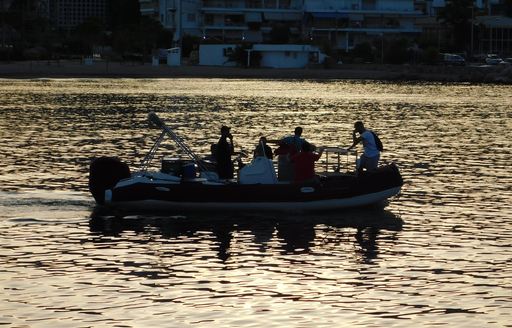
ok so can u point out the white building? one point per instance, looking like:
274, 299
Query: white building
288, 55
216, 55
270, 55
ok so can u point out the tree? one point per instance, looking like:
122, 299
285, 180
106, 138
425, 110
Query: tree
141, 38
152, 35
27, 27
363, 51
430, 55
240, 54
507, 7
89, 34
457, 14
188, 44
123, 13
396, 51
280, 33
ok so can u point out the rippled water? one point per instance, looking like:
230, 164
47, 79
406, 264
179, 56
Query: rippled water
438, 255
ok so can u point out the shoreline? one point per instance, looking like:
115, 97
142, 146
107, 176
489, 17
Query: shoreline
104, 69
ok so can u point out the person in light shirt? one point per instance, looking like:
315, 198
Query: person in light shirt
371, 155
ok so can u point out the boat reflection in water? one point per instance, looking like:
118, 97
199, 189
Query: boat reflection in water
282, 234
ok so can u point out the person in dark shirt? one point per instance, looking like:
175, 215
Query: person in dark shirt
223, 154
304, 163
262, 149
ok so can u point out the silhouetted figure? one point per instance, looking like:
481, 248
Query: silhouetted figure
262, 149
288, 146
223, 154
370, 158
304, 164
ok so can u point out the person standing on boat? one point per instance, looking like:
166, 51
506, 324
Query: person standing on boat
295, 141
371, 155
304, 163
223, 154
288, 146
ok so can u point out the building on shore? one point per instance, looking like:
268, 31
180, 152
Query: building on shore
67, 14
182, 17
342, 24
253, 21
268, 55
494, 35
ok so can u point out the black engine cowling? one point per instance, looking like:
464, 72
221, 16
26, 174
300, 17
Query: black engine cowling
105, 173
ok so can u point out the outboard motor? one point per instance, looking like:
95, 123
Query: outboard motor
104, 174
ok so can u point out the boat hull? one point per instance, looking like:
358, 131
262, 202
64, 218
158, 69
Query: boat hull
313, 205
331, 192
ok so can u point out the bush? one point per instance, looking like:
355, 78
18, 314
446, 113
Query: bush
189, 43
280, 34
239, 55
430, 56
364, 52
396, 52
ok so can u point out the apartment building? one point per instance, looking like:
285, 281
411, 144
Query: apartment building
67, 14
250, 20
340, 23
180, 16
344, 23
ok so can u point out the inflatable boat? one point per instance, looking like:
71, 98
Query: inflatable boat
191, 184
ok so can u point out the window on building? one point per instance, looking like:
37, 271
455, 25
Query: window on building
233, 20
208, 19
191, 17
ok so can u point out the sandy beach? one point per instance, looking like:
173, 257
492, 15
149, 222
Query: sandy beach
77, 69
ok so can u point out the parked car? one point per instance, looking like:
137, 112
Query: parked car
453, 59
493, 59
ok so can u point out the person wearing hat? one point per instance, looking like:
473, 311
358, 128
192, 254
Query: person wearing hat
224, 151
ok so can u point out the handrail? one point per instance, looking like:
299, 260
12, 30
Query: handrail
338, 151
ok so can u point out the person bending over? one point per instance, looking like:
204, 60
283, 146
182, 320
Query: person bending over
371, 155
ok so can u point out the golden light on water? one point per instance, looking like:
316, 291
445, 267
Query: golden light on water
438, 255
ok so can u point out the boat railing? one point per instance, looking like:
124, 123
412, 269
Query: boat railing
343, 160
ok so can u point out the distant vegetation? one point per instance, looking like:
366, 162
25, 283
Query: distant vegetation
26, 34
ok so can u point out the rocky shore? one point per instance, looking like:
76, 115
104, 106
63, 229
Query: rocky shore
77, 69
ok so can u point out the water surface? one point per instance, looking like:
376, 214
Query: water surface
437, 255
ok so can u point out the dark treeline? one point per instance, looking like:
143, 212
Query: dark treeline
28, 32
